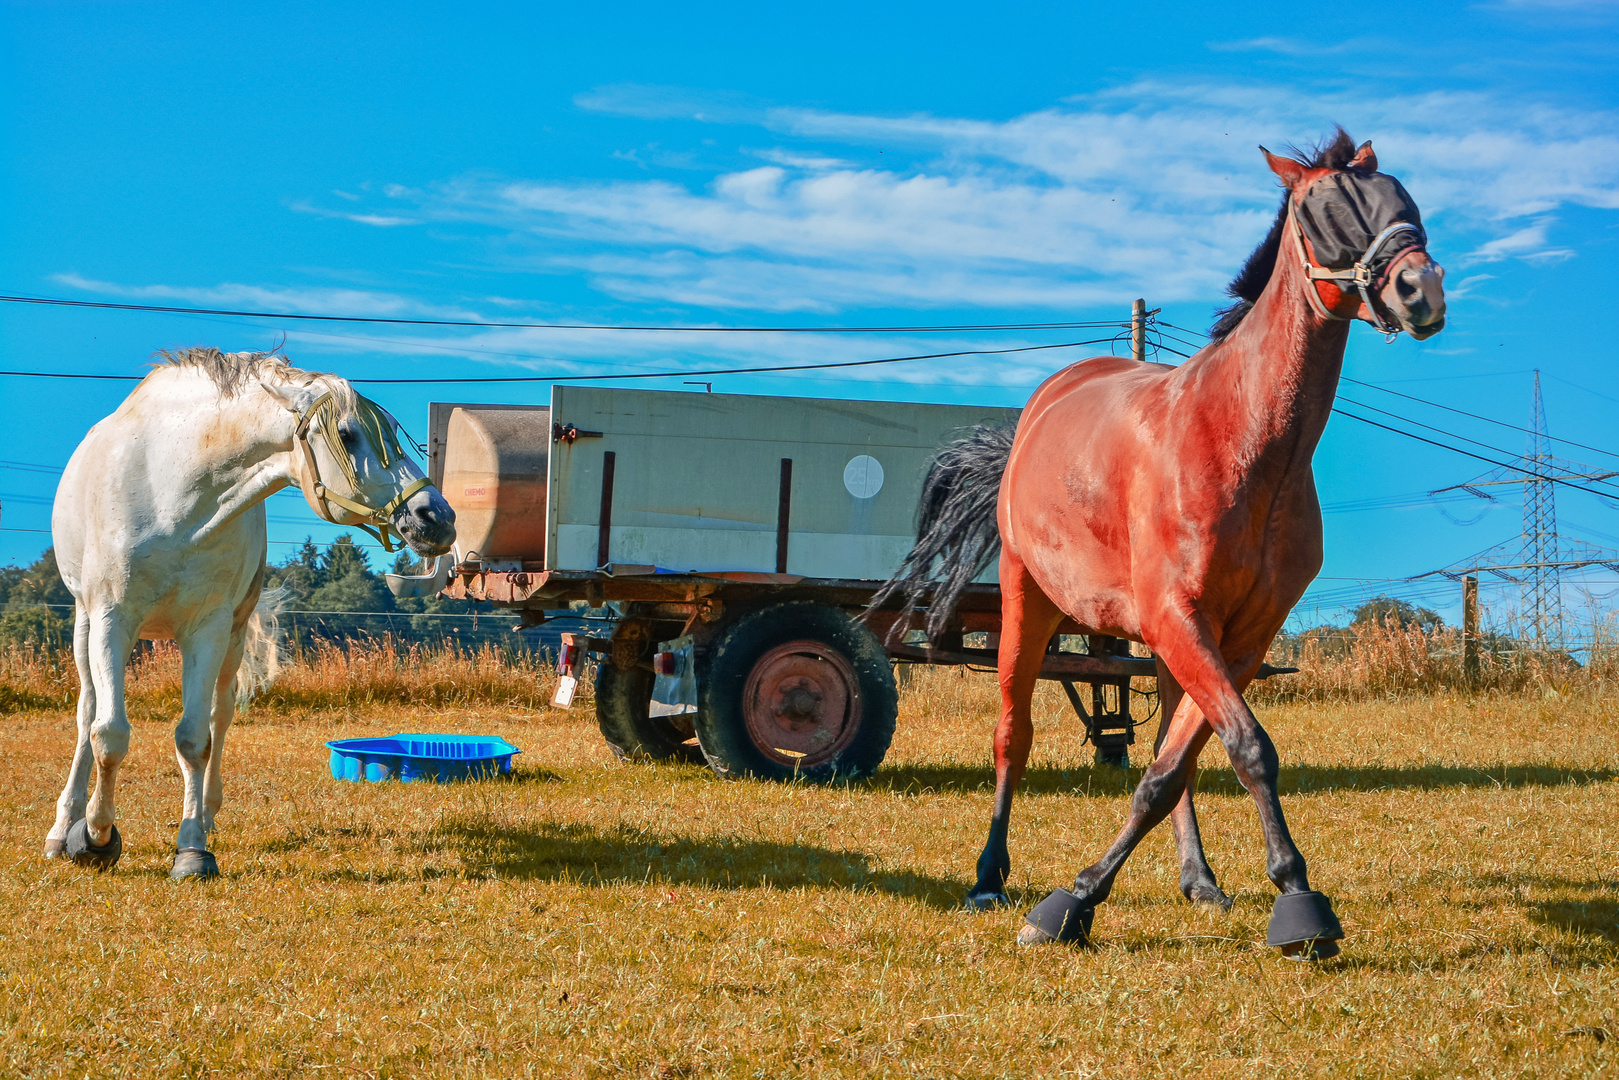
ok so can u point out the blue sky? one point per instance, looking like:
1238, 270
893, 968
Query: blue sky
729, 164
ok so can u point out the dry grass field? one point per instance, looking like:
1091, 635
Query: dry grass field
593, 918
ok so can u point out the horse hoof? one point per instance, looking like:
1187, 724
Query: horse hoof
77, 846
1062, 916
55, 849
986, 900
1303, 925
1208, 896
192, 863
1033, 935
1309, 951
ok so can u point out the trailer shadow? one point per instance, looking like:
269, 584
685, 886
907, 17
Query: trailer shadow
624, 855
1106, 781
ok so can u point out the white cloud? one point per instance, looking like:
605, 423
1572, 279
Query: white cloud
580, 352
1154, 188
1527, 243
670, 103
291, 299
379, 220
1466, 286
813, 162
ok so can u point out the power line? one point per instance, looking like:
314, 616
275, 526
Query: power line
29, 466
50, 301
746, 370
632, 375
1469, 453
1476, 416
1442, 431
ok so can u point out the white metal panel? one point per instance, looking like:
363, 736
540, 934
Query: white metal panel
697, 479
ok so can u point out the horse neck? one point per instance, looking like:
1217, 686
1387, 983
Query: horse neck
1278, 371
232, 433
229, 452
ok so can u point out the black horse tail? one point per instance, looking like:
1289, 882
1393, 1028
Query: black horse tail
956, 532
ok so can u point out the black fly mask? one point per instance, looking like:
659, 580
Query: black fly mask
1358, 225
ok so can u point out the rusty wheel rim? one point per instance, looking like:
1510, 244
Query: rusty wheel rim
801, 704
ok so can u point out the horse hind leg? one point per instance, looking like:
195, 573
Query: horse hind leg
1028, 619
76, 793
1198, 883
204, 650
223, 713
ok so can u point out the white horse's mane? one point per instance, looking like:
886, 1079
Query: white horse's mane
232, 371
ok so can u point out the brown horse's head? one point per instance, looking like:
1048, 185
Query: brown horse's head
1362, 236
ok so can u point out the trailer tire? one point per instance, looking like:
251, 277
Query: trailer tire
623, 703
796, 691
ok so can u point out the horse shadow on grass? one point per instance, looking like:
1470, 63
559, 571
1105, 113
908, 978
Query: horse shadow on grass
1106, 781
584, 854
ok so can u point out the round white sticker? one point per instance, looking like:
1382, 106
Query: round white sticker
863, 476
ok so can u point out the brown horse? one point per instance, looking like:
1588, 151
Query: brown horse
1220, 531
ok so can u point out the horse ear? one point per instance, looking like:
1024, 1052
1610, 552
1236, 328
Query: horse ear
292, 398
1364, 160
1290, 171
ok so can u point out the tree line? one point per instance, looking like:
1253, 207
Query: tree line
328, 593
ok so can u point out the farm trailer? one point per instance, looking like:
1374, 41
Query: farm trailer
737, 541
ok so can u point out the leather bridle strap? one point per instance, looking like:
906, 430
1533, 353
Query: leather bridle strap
1359, 275
378, 521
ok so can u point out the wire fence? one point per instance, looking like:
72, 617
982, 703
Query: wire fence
50, 626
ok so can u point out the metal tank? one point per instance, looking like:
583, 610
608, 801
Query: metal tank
492, 464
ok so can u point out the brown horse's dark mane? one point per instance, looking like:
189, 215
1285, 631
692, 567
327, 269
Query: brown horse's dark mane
1333, 153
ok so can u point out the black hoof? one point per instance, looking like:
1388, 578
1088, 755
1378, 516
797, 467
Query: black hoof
986, 900
78, 847
1059, 917
1304, 927
192, 863
1206, 894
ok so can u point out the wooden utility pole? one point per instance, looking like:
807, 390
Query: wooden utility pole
1138, 330
1470, 628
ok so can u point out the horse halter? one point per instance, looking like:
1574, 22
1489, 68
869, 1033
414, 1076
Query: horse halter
379, 434
1340, 208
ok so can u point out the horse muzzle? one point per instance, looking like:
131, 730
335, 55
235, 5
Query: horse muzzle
426, 523
1415, 295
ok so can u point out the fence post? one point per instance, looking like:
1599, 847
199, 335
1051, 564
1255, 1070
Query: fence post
1138, 330
1470, 629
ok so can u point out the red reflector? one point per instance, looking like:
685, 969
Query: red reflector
664, 663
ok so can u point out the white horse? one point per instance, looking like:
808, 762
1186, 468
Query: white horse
160, 533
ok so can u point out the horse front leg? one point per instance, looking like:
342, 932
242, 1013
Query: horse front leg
1302, 923
1198, 883
1065, 916
70, 807
204, 650
1028, 619
94, 841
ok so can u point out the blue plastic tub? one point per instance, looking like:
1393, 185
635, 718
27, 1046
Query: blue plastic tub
421, 757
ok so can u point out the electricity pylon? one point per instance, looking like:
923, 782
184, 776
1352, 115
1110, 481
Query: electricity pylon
1537, 558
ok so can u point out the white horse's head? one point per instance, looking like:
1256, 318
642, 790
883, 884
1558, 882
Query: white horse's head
353, 469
